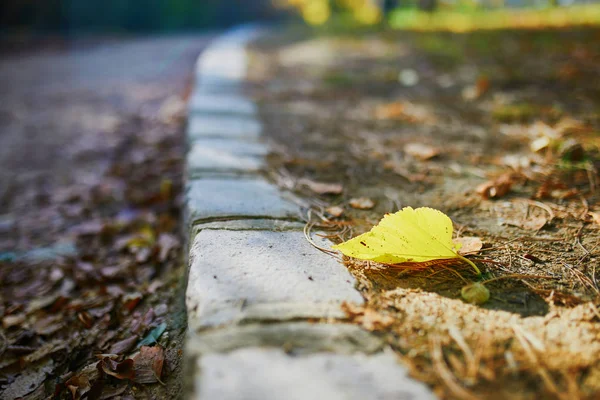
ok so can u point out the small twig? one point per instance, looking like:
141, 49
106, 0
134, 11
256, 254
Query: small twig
444, 372
591, 174
501, 245
456, 273
594, 277
306, 231
520, 276
578, 238
519, 333
595, 310
542, 206
460, 341
585, 281
488, 261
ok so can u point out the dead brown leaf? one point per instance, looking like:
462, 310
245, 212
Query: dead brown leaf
131, 300
149, 364
120, 370
362, 203
48, 325
421, 151
555, 189
78, 385
86, 319
403, 111
595, 216
483, 85
321, 187
497, 187
477, 90
530, 224
124, 345
400, 169
13, 320
470, 245
390, 111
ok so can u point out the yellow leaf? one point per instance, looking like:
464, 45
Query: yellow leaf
409, 235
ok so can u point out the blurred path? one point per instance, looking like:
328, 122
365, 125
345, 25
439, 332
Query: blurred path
91, 150
62, 113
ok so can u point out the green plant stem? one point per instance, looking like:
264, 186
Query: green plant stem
471, 263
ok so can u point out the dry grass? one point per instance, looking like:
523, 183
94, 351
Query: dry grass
467, 352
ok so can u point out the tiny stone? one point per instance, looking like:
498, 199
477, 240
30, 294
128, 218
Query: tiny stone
408, 77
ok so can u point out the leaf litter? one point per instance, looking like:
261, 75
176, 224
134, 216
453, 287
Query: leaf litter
519, 172
61, 310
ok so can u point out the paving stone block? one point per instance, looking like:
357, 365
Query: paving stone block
231, 198
234, 146
213, 155
234, 273
214, 86
227, 57
222, 104
294, 337
271, 374
228, 62
216, 126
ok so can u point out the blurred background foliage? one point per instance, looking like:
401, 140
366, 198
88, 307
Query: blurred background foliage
130, 15
453, 15
74, 16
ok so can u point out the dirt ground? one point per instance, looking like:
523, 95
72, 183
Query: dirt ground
91, 163
501, 131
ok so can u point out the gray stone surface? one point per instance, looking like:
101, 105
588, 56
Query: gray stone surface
219, 126
237, 198
222, 104
215, 85
294, 337
233, 271
226, 62
264, 312
271, 374
234, 146
227, 58
213, 155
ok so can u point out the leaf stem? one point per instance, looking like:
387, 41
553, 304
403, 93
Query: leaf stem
471, 263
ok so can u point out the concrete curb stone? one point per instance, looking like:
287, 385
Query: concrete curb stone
263, 268
216, 104
243, 198
273, 374
219, 126
264, 305
219, 155
293, 337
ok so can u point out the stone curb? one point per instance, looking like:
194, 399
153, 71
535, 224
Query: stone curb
263, 304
